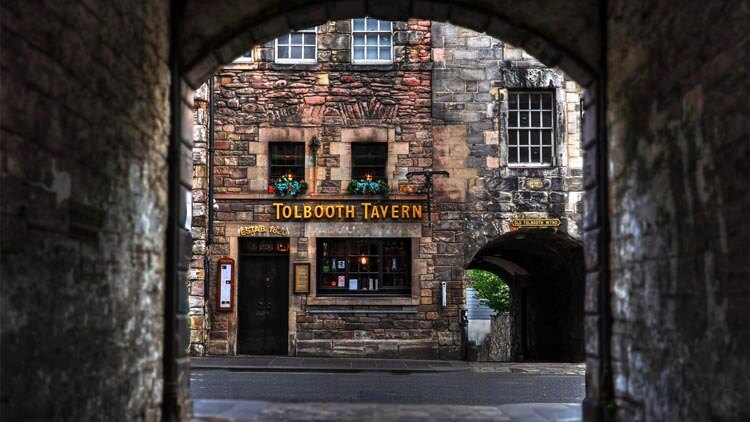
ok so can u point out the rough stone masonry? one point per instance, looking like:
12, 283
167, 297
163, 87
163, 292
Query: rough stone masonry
441, 105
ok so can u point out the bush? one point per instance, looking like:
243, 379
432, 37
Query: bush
491, 290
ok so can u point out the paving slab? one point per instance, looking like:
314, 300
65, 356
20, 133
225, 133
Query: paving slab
543, 412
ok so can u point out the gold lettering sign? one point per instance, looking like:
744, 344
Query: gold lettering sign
535, 183
367, 210
535, 222
259, 229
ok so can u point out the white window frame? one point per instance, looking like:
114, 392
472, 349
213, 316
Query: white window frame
365, 32
313, 30
541, 128
243, 59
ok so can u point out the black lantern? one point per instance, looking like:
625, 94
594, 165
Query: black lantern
314, 146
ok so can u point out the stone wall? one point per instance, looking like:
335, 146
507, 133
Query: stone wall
339, 103
497, 346
471, 77
679, 148
85, 124
200, 213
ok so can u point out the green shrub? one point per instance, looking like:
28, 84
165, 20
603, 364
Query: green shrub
491, 290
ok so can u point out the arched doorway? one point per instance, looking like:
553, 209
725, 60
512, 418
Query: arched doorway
544, 271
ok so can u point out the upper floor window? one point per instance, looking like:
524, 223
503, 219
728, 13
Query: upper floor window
297, 47
369, 159
286, 158
372, 41
530, 128
247, 57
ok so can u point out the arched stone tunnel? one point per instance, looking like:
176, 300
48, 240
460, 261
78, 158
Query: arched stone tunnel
545, 273
95, 125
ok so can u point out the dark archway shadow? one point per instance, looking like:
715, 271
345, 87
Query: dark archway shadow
545, 272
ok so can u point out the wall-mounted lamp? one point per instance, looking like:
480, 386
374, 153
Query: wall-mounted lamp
363, 260
314, 146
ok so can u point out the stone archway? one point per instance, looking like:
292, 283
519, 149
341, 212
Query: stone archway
544, 271
574, 47
86, 100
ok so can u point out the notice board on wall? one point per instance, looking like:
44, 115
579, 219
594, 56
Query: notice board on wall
225, 284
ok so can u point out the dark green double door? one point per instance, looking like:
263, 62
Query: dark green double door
263, 304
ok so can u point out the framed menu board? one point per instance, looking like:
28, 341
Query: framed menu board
225, 284
302, 278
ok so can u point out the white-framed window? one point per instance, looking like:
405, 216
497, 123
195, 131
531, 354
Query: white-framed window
531, 130
372, 41
247, 57
297, 47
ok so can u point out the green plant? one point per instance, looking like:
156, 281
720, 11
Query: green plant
490, 289
368, 187
286, 185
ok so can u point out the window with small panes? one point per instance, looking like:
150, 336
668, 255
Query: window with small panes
531, 130
364, 266
372, 41
297, 47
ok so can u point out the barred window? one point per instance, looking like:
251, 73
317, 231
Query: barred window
297, 47
372, 41
530, 128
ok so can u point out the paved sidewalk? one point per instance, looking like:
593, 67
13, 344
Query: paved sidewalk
536, 368
298, 364
256, 411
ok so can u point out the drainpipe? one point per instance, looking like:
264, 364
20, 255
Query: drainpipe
210, 237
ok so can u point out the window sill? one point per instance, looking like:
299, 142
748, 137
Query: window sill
530, 166
374, 62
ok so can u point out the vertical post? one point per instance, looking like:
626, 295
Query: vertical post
598, 317
175, 402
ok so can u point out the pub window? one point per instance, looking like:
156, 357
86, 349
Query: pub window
369, 159
287, 158
297, 47
530, 128
372, 41
364, 266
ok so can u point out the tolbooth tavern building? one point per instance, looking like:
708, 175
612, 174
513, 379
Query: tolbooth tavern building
347, 175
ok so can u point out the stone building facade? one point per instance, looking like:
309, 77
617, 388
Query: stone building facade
441, 103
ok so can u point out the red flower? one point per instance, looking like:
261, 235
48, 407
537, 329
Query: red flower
271, 189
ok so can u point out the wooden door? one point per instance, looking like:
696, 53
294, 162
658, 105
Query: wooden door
263, 304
